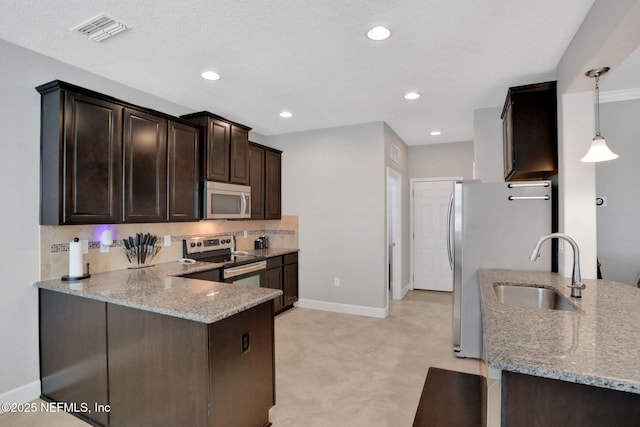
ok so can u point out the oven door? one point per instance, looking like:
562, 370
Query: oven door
253, 274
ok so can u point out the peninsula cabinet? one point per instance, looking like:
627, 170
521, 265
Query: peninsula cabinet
105, 161
530, 132
225, 148
265, 180
152, 369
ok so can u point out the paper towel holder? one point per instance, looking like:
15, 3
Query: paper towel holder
86, 274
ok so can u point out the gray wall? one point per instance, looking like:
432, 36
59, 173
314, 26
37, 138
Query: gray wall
334, 180
441, 160
488, 149
619, 180
21, 71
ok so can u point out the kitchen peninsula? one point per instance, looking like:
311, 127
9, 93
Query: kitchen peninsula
147, 347
557, 367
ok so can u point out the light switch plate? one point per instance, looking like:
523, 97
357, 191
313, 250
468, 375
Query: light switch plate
167, 240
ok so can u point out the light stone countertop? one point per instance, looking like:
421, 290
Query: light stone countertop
158, 289
598, 345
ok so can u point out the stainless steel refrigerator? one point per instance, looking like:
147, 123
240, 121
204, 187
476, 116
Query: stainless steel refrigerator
492, 225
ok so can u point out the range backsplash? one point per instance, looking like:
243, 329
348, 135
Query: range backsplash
54, 241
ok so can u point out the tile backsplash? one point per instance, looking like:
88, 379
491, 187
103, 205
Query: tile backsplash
54, 241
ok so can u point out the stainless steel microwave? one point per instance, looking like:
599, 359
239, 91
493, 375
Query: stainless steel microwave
226, 201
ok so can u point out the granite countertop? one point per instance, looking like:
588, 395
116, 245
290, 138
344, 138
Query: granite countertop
158, 289
598, 344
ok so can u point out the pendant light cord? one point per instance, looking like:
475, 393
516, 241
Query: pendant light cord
597, 96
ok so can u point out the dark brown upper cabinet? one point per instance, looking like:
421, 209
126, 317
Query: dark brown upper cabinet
106, 161
530, 132
80, 158
265, 181
184, 172
256, 180
239, 161
145, 160
272, 184
226, 148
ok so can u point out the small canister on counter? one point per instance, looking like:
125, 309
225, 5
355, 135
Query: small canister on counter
258, 243
261, 242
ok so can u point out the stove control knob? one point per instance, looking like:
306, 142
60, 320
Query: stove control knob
193, 245
199, 244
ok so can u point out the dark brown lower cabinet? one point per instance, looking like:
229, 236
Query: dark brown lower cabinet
290, 276
282, 274
529, 401
274, 281
157, 370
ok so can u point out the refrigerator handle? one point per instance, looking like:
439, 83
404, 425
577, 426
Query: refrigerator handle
449, 217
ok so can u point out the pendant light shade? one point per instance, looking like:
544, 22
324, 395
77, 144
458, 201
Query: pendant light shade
599, 151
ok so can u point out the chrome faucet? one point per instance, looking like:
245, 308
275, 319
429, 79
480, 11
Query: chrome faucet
576, 285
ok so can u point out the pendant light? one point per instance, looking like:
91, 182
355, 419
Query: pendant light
598, 152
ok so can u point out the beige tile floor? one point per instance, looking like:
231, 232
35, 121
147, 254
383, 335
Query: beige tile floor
343, 370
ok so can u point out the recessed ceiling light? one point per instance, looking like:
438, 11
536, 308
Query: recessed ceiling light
210, 75
436, 133
286, 114
412, 95
379, 33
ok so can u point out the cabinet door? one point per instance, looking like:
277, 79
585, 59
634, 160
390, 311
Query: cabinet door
274, 281
507, 138
272, 185
256, 181
239, 156
184, 172
217, 151
290, 283
92, 171
145, 162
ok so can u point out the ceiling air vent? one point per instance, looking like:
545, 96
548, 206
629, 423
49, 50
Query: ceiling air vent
100, 27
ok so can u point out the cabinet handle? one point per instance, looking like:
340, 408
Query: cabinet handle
243, 203
529, 184
545, 197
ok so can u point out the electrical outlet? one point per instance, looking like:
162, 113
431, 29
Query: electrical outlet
245, 343
85, 246
245, 234
167, 240
336, 282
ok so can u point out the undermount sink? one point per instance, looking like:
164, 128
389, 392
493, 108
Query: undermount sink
532, 296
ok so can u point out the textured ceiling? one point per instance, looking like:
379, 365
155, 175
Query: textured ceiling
311, 57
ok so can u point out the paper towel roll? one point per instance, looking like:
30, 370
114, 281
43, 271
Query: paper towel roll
75, 258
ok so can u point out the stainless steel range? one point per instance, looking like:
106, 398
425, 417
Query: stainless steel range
238, 267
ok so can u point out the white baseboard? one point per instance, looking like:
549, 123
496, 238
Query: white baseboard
337, 307
406, 288
23, 394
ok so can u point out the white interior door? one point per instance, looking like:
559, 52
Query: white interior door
431, 269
